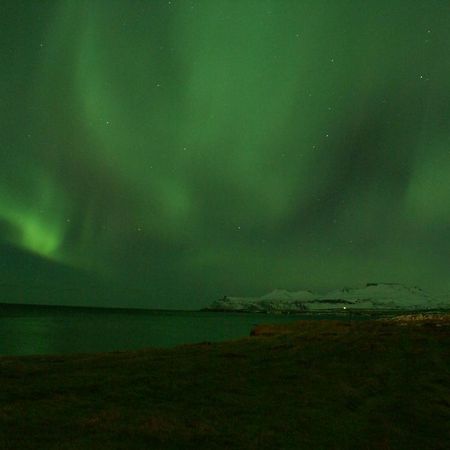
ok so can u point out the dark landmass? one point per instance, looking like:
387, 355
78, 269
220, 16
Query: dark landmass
7, 308
374, 384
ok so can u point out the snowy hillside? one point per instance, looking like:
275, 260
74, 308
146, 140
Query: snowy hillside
371, 296
385, 295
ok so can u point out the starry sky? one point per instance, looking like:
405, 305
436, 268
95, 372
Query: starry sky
163, 154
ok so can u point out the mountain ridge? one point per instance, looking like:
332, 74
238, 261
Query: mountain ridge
372, 296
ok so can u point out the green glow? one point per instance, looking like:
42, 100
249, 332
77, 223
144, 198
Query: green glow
35, 222
230, 146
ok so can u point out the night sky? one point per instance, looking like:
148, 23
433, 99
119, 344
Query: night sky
166, 153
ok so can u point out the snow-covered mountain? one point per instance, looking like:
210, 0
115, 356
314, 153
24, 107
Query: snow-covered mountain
385, 295
371, 296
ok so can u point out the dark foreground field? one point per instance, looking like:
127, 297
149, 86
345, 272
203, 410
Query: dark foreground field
312, 385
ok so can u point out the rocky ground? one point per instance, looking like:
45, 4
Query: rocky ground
432, 319
375, 384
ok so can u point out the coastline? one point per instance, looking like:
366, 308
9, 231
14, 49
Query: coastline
322, 384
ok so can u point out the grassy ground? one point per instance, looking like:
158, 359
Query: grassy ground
312, 385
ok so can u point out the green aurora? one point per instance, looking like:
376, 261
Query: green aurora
165, 153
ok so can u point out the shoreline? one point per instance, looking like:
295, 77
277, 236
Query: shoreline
370, 384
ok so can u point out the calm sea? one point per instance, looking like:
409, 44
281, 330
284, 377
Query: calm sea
28, 330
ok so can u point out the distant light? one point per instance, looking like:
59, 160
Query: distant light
345, 307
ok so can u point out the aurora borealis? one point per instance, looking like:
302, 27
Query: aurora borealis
189, 149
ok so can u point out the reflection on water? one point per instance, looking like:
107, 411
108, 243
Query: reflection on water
26, 330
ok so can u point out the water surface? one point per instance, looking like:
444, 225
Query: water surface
28, 329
